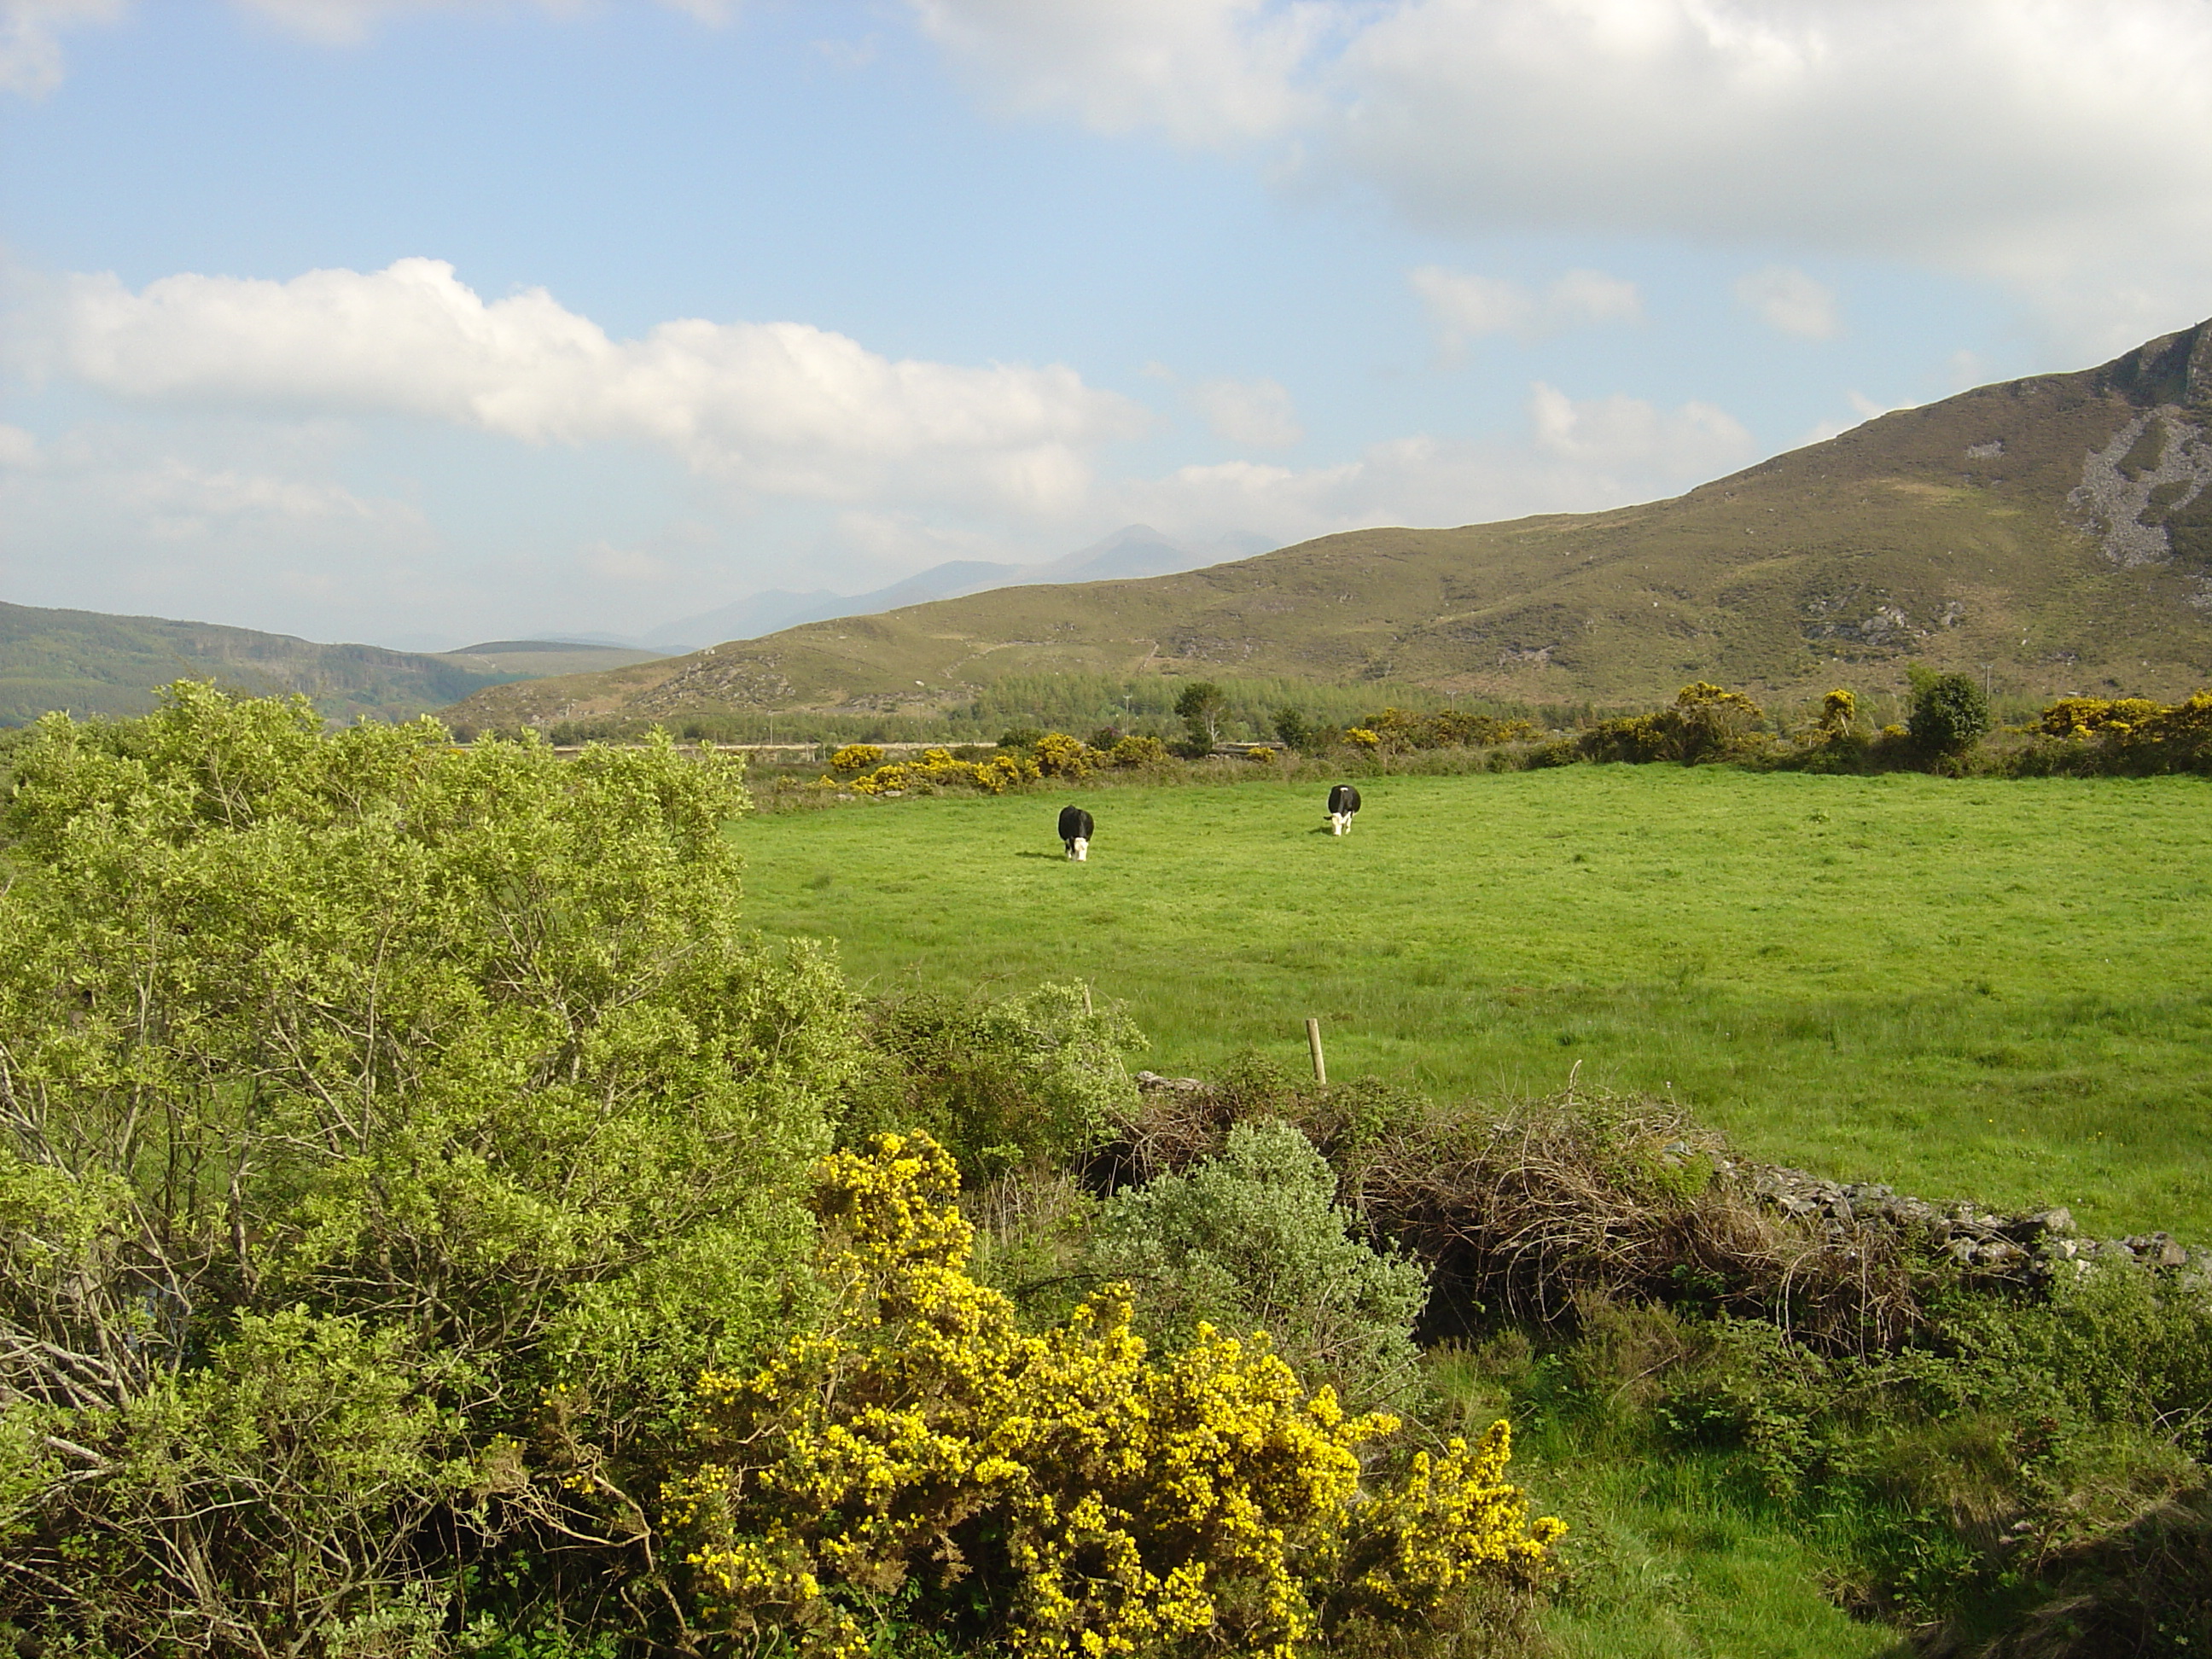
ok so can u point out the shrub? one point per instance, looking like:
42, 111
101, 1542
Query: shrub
1135, 750
1706, 722
1839, 711
940, 769
856, 758
2127, 735
1032, 1078
2077, 717
1255, 1238
384, 1091
1399, 732
1060, 755
1293, 728
1950, 713
1020, 737
1360, 737
1057, 1493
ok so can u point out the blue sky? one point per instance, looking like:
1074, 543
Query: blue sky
419, 322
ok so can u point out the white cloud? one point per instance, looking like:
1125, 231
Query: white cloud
1205, 71
120, 520
782, 408
623, 564
30, 39
19, 450
1576, 457
2056, 147
179, 502
348, 22
1464, 306
32, 62
1789, 302
1621, 432
1258, 414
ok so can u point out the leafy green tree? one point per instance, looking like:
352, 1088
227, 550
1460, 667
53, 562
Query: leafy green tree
1200, 707
1293, 728
389, 1134
1950, 714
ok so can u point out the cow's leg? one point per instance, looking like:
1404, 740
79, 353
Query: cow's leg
1079, 849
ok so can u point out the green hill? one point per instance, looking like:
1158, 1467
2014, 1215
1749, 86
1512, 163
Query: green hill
2053, 534
89, 662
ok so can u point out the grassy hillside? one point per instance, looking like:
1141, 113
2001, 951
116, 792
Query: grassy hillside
90, 663
1897, 978
2052, 534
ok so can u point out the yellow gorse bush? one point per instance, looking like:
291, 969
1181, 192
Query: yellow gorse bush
1056, 756
1063, 1493
935, 768
2077, 717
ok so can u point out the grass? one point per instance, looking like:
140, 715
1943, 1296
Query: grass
1673, 1554
1994, 989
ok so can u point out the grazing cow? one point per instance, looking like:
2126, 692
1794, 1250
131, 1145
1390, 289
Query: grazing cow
1075, 829
1343, 802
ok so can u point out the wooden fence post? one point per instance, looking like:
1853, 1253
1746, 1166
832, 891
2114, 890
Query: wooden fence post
1313, 1041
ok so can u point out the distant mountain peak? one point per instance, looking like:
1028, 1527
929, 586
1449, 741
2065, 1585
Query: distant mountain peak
1133, 551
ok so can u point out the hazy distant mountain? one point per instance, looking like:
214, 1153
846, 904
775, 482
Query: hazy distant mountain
1135, 551
2051, 535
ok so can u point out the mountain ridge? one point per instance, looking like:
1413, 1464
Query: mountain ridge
2050, 534
1134, 550
95, 663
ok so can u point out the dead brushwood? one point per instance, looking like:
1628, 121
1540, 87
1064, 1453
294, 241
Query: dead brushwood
1521, 1211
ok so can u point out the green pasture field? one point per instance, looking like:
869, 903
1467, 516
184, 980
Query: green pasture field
1999, 989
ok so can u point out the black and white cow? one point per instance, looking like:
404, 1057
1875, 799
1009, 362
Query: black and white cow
1075, 828
1343, 802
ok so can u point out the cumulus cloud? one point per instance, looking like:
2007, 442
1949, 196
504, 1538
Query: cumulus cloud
1463, 305
780, 407
348, 22
1789, 302
2054, 146
176, 501
126, 520
1576, 455
1257, 414
31, 40
1621, 432
19, 450
623, 564
32, 60
1206, 71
